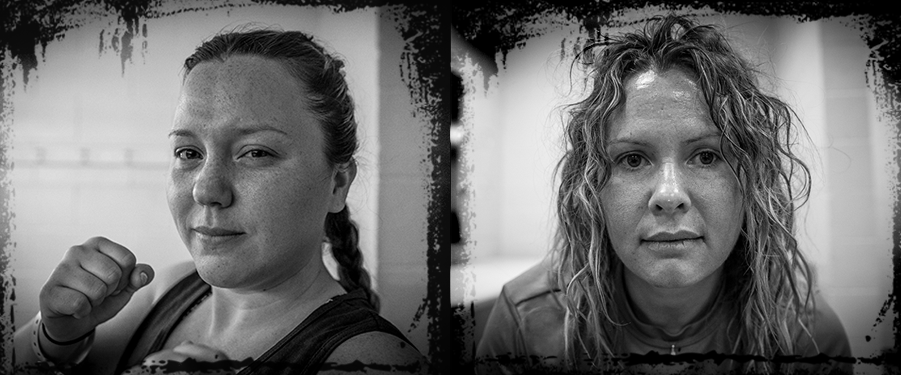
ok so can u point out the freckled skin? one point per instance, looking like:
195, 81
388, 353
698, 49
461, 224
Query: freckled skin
680, 182
274, 186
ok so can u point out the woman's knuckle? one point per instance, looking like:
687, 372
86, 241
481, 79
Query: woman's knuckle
111, 274
75, 251
46, 293
130, 258
96, 291
95, 240
76, 304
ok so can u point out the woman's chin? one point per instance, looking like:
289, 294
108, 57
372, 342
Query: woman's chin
674, 274
219, 273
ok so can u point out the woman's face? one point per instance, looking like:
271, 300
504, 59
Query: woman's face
672, 205
249, 186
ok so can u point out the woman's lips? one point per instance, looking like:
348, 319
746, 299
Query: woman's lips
666, 236
673, 246
212, 236
215, 232
672, 241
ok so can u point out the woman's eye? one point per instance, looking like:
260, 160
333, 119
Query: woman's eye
707, 157
632, 161
186, 154
257, 153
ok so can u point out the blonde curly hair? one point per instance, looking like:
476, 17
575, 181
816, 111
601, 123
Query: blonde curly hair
767, 279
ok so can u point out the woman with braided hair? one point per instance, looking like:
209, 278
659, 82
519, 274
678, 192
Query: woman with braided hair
262, 146
675, 236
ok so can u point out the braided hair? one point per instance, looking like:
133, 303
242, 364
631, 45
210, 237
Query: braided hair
328, 98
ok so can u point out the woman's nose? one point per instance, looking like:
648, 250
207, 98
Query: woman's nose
212, 185
669, 194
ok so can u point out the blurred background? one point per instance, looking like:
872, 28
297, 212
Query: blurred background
90, 149
507, 137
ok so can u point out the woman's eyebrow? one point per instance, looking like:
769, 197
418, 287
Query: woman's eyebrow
238, 131
180, 133
641, 142
702, 137
258, 129
627, 140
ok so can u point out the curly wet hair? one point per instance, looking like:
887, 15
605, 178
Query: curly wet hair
768, 282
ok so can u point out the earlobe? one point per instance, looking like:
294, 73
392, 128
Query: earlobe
342, 177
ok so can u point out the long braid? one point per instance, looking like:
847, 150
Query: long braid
335, 107
343, 238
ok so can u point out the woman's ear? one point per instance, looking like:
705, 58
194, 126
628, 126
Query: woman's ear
342, 176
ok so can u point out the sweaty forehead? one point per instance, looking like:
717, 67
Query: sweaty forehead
653, 90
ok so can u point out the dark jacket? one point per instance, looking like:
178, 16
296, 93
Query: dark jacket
525, 333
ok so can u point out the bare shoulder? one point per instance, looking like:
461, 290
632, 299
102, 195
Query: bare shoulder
376, 353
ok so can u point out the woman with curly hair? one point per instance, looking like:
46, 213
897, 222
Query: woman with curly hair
676, 207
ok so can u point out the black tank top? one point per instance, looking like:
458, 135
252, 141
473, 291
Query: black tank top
302, 351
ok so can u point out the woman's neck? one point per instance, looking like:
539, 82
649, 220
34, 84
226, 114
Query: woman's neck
292, 299
670, 309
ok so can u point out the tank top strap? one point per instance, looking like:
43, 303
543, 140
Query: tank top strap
303, 350
165, 315
307, 347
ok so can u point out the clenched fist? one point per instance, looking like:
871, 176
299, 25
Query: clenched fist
90, 285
